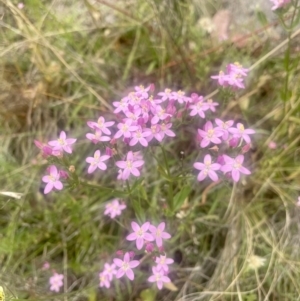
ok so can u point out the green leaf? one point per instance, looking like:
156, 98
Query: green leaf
148, 295
180, 198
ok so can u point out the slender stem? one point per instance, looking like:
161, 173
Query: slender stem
170, 190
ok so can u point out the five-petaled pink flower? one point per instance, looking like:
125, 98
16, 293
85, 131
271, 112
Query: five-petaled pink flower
97, 137
140, 234
159, 234
224, 126
241, 132
298, 203
162, 263
210, 134
52, 180
104, 280
207, 169
62, 143
126, 266
129, 166
235, 166
114, 208
110, 270
97, 161
158, 277
56, 282
101, 125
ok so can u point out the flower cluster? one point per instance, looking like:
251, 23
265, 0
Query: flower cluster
143, 235
56, 282
234, 76
279, 3
223, 132
142, 120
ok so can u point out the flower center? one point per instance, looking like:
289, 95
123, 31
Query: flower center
124, 127
129, 164
125, 266
140, 232
61, 141
210, 133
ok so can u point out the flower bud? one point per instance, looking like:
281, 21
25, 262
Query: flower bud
72, 168
246, 148
233, 142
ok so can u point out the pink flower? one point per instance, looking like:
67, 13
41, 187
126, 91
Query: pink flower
235, 166
167, 94
20, 5
114, 208
130, 166
158, 277
165, 130
120, 106
104, 280
211, 105
224, 126
237, 69
52, 180
158, 234
56, 282
97, 161
126, 266
241, 132
210, 134
97, 137
279, 3
142, 92
207, 169
222, 78
62, 143
162, 263
298, 203
199, 107
159, 113
125, 129
155, 132
46, 150
179, 96
101, 125
140, 234
110, 270
139, 137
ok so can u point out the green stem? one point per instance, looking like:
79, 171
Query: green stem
170, 190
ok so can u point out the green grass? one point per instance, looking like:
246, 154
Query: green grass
63, 63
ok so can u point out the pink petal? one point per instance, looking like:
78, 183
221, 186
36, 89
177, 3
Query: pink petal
130, 274
148, 236
138, 163
118, 262
135, 172
90, 160
201, 176
121, 164
120, 273
135, 227
71, 140
152, 278
145, 226
244, 170
139, 243
58, 185
161, 226
131, 237
48, 187
134, 263
165, 235
102, 166
158, 241
62, 135
199, 165
235, 175
213, 176
92, 168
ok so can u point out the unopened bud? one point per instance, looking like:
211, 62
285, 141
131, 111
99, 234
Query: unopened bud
233, 142
246, 148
